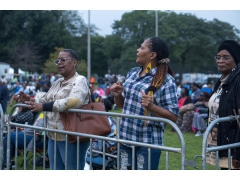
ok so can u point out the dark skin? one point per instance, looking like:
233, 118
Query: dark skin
225, 67
67, 69
144, 56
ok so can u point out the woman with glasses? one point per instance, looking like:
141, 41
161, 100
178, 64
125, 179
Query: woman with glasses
70, 91
226, 94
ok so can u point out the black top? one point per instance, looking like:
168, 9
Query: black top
229, 131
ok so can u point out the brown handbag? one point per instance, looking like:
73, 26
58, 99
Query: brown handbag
86, 123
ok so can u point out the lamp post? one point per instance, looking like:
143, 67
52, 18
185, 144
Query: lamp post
156, 23
89, 49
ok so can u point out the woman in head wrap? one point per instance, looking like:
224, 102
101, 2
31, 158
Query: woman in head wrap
227, 95
149, 90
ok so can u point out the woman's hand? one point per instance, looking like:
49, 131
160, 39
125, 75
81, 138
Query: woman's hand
146, 100
22, 97
116, 89
34, 106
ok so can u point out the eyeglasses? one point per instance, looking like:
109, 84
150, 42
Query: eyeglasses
62, 60
225, 58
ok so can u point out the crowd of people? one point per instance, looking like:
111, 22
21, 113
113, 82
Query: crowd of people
148, 90
193, 107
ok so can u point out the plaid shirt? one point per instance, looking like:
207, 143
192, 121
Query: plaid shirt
164, 97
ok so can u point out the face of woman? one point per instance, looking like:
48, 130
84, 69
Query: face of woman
183, 92
143, 53
66, 68
225, 66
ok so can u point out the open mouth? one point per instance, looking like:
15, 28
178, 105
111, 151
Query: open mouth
60, 68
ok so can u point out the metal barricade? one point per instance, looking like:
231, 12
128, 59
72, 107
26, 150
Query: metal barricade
216, 149
181, 150
1, 135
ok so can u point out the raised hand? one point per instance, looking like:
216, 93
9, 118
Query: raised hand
116, 89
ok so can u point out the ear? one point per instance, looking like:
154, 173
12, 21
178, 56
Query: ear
153, 55
75, 62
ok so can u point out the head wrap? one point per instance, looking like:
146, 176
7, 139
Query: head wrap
233, 47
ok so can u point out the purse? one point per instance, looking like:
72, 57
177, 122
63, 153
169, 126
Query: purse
86, 123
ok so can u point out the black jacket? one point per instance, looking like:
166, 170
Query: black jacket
229, 132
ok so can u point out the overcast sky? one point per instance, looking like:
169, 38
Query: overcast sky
104, 12
103, 19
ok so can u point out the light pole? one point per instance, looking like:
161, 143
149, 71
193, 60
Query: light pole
156, 23
89, 49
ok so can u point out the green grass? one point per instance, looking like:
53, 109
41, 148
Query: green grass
171, 139
193, 148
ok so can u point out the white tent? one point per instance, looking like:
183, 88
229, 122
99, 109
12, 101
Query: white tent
21, 71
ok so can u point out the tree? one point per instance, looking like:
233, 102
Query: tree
49, 66
24, 55
82, 67
43, 29
192, 42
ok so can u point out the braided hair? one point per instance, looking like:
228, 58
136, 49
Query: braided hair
160, 47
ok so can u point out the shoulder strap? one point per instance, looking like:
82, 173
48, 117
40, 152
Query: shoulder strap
89, 91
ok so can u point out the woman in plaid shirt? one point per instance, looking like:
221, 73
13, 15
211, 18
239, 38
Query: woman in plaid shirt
149, 90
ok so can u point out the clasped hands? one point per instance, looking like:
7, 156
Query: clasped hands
30, 102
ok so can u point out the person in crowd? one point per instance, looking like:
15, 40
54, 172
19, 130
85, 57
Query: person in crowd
97, 143
38, 93
196, 91
92, 81
47, 84
99, 93
199, 123
92, 94
3, 96
24, 115
15, 96
52, 78
70, 91
39, 142
224, 102
178, 90
3, 79
185, 105
148, 90
207, 88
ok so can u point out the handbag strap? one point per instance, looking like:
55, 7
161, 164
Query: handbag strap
89, 91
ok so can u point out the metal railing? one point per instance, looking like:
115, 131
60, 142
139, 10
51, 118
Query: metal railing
216, 149
181, 150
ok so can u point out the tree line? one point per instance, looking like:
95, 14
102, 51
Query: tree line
32, 39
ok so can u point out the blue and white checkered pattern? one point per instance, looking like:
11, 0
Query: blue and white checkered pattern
164, 97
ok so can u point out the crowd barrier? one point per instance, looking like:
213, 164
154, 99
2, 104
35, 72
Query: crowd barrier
216, 149
181, 150
1, 135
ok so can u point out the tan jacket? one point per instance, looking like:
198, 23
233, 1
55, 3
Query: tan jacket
70, 94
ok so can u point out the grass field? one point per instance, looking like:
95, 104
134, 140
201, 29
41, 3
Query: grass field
171, 139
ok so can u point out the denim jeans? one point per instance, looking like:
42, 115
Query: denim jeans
71, 155
140, 159
13, 142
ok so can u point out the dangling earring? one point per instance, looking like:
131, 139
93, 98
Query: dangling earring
149, 67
